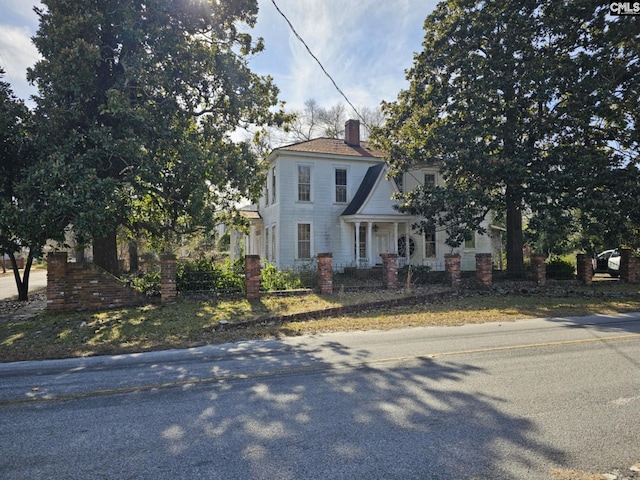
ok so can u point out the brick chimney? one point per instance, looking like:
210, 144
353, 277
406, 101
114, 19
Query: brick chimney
352, 133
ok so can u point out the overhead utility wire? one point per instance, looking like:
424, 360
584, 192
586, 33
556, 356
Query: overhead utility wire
318, 61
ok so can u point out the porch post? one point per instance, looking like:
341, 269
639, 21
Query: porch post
357, 226
407, 247
394, 249
370, 244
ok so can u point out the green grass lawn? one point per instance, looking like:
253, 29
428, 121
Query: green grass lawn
192, 323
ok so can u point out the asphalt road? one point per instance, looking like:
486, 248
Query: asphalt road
492, 401
8, 289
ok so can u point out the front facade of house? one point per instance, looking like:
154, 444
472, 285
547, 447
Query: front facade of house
332, 196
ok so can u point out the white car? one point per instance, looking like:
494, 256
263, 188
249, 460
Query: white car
607, 262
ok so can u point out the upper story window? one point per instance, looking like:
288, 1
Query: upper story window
341, 185
273, 185
304, 183
429, 180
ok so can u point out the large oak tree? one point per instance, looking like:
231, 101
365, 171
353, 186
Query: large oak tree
526, 106
142, 97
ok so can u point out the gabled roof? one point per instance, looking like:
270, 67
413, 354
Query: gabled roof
364, 190
334, 146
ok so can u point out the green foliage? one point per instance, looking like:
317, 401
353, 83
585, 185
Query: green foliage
560, 269
148, 283
208, 275
272, 279
136, 112
524, 106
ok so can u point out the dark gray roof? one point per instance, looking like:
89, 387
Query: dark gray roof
364, 189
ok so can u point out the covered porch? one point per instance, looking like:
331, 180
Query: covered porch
374, 235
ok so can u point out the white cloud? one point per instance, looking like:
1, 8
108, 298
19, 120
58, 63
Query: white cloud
365, 46
17, 53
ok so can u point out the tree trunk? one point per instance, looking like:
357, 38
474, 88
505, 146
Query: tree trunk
133, 256
105, 252
22, 284
515, 240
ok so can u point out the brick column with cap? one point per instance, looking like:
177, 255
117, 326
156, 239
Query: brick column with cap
484, 269
325, 273
629, 266
168, 278
390, 270
56, 280
252, 276
452, 270
539, 269
584, 267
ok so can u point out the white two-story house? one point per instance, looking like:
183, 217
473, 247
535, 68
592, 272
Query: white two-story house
332, 196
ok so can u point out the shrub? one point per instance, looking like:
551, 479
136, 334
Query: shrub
559, 269
148, 283
272, 279
209, 275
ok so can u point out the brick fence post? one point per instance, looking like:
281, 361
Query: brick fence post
325, 273
484, 269
629, 266
390, 270
584, 267
539, 269
56, 280
252, 276
168, 278
452, 269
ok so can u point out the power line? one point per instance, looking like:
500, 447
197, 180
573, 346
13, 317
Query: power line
318, 62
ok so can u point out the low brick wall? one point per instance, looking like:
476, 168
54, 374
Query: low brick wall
85, 286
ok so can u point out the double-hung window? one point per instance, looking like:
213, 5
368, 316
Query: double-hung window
341, 185
273, 185
304, 183
304, 240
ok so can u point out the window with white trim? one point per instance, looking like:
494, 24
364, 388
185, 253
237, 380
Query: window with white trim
273, 185
304, 240
341, 185
304, 183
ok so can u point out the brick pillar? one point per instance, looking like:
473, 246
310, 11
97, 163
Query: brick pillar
252, 276
390, 270
325, 273
452, 269
584, 269
56, 280
539, 269
168, 278
629, 266
484, 269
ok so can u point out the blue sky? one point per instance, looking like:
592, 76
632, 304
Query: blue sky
366, 46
